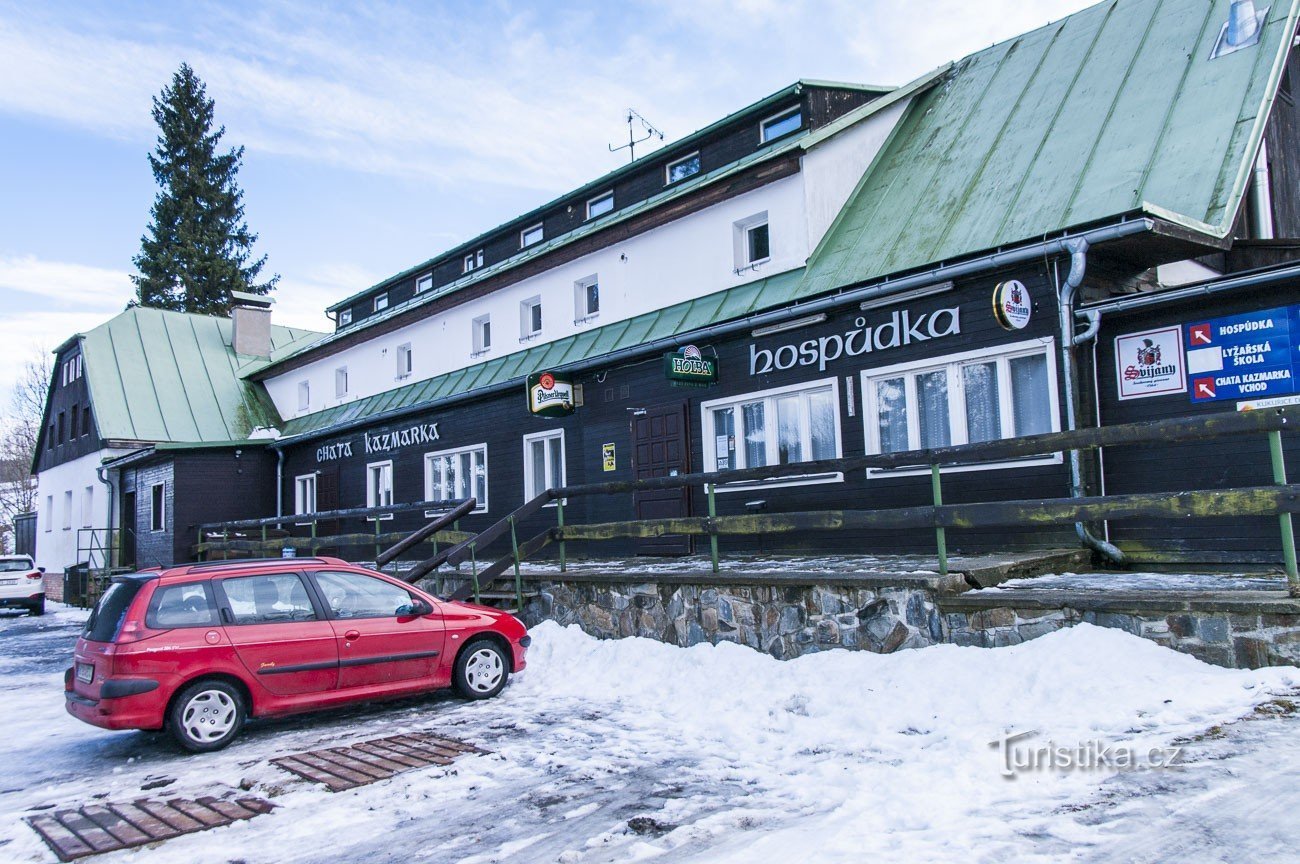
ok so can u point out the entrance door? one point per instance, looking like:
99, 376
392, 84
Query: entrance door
661, 448
126, 539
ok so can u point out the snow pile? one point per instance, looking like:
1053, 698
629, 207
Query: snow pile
1145, 582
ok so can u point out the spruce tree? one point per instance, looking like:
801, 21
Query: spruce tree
198, 246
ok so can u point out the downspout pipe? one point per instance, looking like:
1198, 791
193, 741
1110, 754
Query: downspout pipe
102, 473
1078, 250
279, 482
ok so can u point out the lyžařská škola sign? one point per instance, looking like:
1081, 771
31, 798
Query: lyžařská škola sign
687, 365
549, 395
1247, 356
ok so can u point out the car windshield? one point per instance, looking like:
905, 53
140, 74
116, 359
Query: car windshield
15, 565
106, 620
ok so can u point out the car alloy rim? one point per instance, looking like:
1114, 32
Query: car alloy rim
484, 670
208, 716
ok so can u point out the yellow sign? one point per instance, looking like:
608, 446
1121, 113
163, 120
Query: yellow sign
607, 457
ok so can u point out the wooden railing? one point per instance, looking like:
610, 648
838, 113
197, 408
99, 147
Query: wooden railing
1280, 499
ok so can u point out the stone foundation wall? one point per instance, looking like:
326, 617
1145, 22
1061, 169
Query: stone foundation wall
782, 620
1234, 639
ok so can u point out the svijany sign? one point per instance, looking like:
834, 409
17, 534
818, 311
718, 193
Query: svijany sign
384, 441
902, 327
549, 396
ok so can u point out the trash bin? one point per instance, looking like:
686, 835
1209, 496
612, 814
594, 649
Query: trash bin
76, 584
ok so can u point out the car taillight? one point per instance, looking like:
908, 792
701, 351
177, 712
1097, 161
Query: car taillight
34, 575
132, 631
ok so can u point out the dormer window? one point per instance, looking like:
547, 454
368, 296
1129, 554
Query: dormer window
381, 302
345, 317
531, 236
473, 261
780, 125
600, 205
687, 166
424, 283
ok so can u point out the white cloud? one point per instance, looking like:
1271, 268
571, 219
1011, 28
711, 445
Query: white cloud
64, 284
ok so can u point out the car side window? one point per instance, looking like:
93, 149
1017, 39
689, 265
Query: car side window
268, 599
188, 605
355, 595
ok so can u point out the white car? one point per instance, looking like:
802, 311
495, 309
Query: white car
22, 584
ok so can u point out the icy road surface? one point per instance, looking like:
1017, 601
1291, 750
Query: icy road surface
632, 750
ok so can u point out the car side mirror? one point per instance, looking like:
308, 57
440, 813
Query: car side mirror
42, 569
414, 609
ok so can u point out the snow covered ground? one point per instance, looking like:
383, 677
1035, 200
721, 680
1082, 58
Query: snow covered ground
633, 750
1145, 582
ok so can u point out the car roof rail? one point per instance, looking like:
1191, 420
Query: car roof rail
243, 562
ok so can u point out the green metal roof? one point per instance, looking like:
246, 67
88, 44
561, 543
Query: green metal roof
663, 323
1115, 109
155, 375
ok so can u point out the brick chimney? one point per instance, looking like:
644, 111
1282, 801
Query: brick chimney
250, 317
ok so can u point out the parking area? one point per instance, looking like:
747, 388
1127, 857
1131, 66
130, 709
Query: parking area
633, 750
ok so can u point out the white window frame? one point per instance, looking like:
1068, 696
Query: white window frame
764, 138
526, 331
341, 378
67, 510
580, 313
158, 515
529, 492
540, 228
345, 317
601, 197
304, 495
430, 494
381, 302
472, 261
87, 507
370, 488
479, 345
49, 513
405, 361
740, 239
668, 169
304, 396
957, 403
423, 283
769, 414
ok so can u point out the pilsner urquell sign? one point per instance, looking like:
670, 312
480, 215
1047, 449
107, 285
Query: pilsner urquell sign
688, 366
550, 396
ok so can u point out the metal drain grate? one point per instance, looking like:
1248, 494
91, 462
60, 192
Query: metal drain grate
96, 828
342, 768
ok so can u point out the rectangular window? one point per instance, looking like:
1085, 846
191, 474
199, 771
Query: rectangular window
687, 166
586, 299
530, 236
63, 425
473, 261
158, 507
968, 398
75, 416
543, 462
304, 494
85, 420
482, 334
345, 317
752, 241
49, 438
273, 598
87, 506
379, 486
304, 395
381, 302
600, 205
784, 426
49, 512
404, 360
186, 605
340, 382
780, 125
530, 318
67, 510
454, 475
424, 283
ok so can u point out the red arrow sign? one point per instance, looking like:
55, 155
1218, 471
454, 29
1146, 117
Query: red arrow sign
1203, 388
1200, 334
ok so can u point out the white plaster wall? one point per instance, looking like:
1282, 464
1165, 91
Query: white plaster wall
56, 546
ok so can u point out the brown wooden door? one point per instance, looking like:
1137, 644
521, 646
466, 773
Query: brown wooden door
661, 448
327, 498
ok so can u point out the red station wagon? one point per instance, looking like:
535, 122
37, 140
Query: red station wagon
197, 649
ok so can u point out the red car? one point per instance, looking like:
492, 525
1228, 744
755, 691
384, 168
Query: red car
198, 649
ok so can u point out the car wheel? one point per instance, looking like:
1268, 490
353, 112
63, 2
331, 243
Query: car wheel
37, 608
481, 670
206, 716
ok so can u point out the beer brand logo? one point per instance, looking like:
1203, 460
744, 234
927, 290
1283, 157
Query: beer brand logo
547, 381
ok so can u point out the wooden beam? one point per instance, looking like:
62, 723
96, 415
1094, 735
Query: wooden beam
426, 532
493, 572
274, 545
461, 551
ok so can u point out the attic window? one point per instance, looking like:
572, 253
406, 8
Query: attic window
473, 261
687, 166
424, 283
345, 317
381, 302
780, 125
600, 205
531, 236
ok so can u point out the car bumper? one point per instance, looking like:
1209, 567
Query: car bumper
130, 703
519, 649
21, 602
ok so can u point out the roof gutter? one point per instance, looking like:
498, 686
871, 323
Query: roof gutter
849, 294
1205, 289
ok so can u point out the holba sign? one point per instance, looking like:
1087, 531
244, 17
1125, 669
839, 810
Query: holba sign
902, 327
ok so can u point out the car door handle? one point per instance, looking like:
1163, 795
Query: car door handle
352, 635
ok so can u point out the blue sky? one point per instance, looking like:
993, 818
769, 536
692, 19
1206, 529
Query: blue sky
378, 134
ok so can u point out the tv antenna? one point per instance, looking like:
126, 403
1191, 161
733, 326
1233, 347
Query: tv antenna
648, 131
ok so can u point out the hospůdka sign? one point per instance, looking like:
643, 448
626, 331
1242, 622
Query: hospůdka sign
549, 395
688, 366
